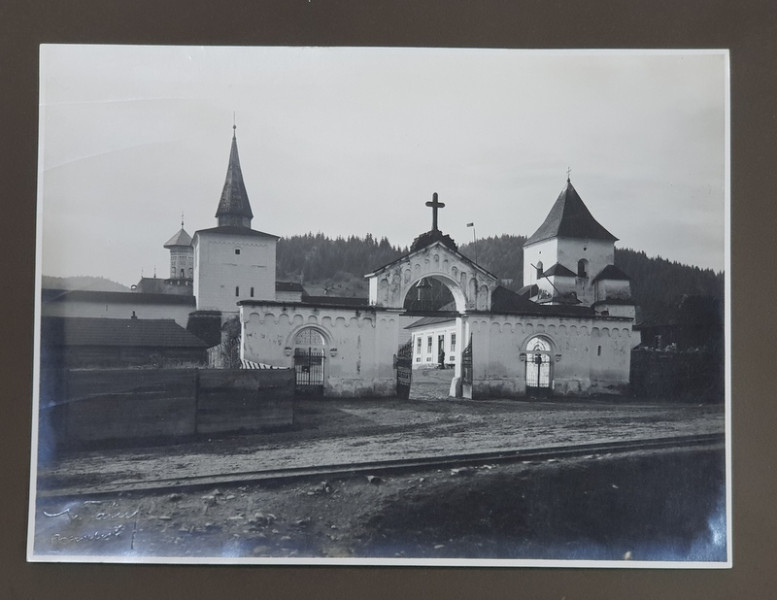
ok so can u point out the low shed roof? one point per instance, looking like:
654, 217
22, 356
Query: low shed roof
91, 331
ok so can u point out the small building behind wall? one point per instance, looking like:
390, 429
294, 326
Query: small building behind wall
95, 342
434, 338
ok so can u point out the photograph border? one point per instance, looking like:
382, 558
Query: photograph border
744, 28
32, 556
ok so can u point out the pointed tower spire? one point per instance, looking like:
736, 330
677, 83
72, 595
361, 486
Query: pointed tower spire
234, 208
570, 218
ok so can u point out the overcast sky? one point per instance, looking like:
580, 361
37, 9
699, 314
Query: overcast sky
356, 140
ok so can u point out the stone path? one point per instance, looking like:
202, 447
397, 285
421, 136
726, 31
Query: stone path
431, 384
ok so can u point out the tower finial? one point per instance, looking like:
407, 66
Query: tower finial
181, 219
234, 125
569, 170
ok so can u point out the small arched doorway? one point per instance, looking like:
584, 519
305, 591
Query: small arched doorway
539, 376
309, 361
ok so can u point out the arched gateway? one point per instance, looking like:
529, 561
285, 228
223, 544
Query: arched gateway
434, 255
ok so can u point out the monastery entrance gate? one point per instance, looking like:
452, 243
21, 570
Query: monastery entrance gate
435, 255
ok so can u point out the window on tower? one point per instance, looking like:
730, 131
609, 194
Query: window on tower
539, 269
582, 268
237, 250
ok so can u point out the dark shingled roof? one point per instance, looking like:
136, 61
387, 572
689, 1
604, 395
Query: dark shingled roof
234, 197
337, 300
89, 331
236, 230
560, 270
509, 302
53, 295
424, 321
179, 239
612, 273
504, 301
570, 218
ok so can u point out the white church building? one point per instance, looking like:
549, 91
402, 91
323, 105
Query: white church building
569, 331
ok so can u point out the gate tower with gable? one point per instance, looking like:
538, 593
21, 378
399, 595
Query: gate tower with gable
434, 255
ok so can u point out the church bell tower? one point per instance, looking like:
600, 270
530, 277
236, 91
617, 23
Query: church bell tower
234, 208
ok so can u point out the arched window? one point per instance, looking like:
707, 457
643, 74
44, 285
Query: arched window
539, 269
582, 268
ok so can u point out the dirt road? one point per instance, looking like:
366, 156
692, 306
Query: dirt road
665, 504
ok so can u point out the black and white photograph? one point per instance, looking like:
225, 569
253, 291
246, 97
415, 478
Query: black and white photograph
382, 306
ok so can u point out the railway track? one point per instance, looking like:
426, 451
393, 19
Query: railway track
421, 463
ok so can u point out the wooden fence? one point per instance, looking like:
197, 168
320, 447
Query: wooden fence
100, 405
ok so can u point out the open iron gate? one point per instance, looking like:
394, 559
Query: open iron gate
466, 370
404, 369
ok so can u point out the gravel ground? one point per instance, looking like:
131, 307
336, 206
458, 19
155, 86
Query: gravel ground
493, 511
344, 431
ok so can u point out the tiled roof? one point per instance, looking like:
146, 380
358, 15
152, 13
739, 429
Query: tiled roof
428, 321
509, 302
528, 291
570, 218
319, 301
179, 239
52, 295
89, 331
559, 270
234, 197
612, 273
337, 300
236, 230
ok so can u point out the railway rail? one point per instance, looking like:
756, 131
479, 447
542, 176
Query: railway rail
420, 463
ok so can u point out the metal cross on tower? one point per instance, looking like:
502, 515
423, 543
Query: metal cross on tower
434, 204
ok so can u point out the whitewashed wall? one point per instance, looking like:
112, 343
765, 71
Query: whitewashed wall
589, 355
360, 344
426, 358
219, 272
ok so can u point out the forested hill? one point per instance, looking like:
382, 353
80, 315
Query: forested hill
658, 285
502, 255
337, 266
